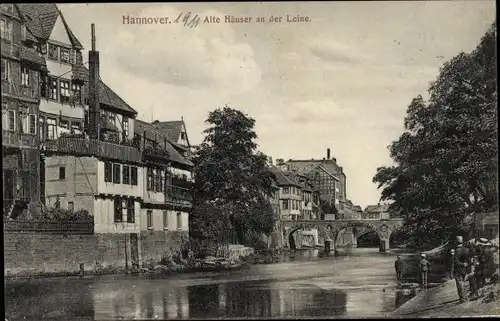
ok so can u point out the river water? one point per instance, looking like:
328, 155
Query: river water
361, 284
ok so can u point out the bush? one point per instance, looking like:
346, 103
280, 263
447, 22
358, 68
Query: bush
58, 214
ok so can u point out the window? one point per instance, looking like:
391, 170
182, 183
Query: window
43, 87
5, 70
72, 56
32, 124
65, 55
11, 120
126, 174
108, 171
285, 204
8, 7
71, 206
149, 179
53, 52
130, 210
165, 220
62, 173
179, 220
23, 32
118, 210
149, 219
64, 124
41, 128
53, 94
76, 126
183, 135
65, 94
76, 93
116, 173
112, 118
25, 76
133, 175
125, 126
6, 29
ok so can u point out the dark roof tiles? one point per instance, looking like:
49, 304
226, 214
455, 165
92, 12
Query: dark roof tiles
31, 55
40, 19
171, 128
106, 95
141, 126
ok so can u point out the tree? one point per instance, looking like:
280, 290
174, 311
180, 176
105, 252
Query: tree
232, 178
446, 160
328, 207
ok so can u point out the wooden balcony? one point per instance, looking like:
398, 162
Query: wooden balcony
19, 140
80, 146
179, 195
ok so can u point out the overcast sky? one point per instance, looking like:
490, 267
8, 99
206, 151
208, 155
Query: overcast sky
342, 81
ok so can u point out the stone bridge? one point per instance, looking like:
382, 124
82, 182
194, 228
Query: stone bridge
329, 230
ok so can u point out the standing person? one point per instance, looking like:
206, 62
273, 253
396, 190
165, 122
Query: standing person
488, 262
479, 262
461, 263
424, 270
451, 265
398, 265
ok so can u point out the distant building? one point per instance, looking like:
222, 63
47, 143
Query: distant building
376, 212
327, 177
290, 194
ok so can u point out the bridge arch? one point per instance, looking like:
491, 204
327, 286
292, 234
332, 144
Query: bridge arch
329, 230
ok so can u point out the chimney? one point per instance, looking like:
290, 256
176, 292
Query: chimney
94, 112
328, 153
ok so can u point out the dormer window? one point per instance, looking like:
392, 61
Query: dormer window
65, 55
183, 135
53, 52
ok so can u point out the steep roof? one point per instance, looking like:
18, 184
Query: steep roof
172, 129
282, 179
106, 95
141, 126
329, 165
40, 19
377, 208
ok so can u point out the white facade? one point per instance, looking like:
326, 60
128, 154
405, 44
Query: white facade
104, 218
121, 188
164, 220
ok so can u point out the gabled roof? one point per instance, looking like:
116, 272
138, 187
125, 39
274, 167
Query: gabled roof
106, 95
282, 179
326, 171
40, 19
377, 208
141, 126
172, 129
329, 165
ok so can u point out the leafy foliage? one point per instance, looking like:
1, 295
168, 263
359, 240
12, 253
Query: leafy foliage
233, 183
59, 214
328, 207
446, 160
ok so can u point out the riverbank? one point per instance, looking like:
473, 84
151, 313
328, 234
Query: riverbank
442, 301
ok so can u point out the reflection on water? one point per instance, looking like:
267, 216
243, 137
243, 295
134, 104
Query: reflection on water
73, 301
264, 300
361, 285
